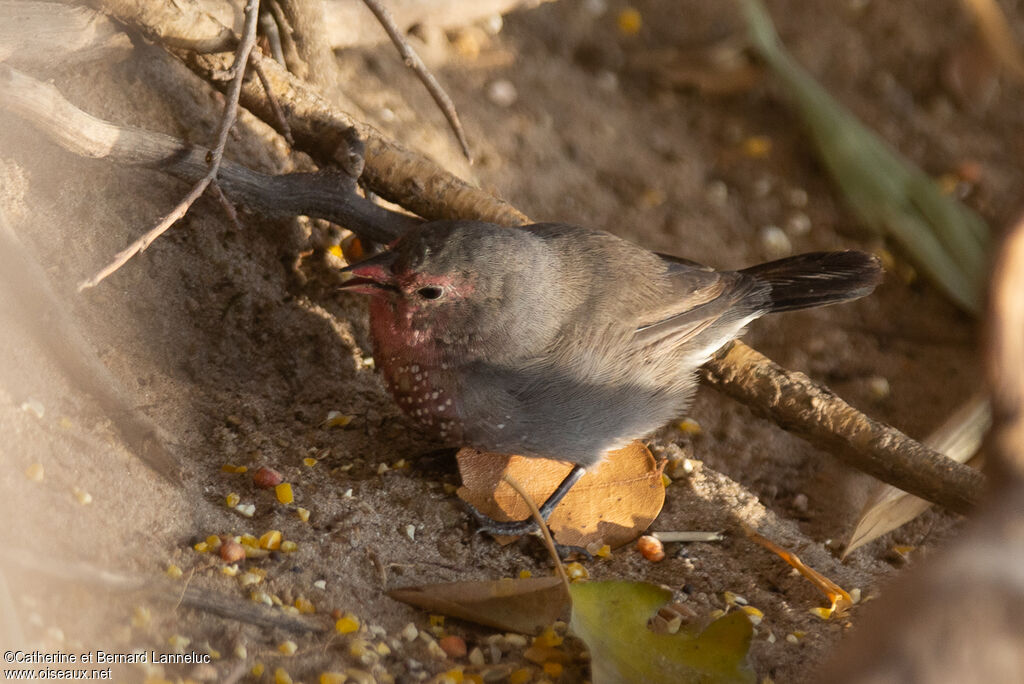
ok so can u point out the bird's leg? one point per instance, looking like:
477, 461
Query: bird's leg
517, 527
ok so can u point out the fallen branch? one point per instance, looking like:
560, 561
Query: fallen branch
329, 195
813, 412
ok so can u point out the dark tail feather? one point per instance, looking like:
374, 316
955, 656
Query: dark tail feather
818, 278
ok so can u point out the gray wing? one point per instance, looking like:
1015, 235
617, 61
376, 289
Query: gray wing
704, 308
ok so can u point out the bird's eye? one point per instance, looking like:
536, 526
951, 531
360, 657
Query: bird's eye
430, 292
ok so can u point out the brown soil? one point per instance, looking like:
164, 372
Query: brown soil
217, 334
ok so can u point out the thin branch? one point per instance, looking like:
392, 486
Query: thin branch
227, 121
413, 61
286, 131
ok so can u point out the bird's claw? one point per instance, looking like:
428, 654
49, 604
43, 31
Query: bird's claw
507, 528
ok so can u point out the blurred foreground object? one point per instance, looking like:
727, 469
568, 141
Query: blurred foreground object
959, 617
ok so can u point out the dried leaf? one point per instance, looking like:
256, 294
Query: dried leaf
524, 606
998, 35
612, 618
610, 505
841, 600
959, 438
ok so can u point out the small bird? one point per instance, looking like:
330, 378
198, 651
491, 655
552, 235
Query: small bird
561, 342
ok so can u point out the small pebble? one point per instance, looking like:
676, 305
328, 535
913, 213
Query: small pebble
410, 632
797, 198
502, 93
775, 242
798, 224
879, 387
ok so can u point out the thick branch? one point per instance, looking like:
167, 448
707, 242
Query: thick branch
813, 412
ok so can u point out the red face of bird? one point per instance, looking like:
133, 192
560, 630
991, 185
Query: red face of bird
388, 276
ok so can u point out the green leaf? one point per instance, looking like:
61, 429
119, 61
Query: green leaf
947, 241
611, 617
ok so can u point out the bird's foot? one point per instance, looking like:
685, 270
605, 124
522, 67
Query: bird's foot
508, 528
516, 528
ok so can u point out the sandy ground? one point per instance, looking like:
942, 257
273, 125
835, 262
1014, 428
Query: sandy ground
228, 342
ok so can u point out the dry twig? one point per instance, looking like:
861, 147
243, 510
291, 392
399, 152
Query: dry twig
227, 121
413, 61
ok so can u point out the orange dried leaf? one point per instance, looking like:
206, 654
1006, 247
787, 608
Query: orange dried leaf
610, 505
839, 598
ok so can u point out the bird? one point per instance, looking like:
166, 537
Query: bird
562, 342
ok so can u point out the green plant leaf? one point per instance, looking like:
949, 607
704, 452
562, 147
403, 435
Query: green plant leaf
947, 241
612, 617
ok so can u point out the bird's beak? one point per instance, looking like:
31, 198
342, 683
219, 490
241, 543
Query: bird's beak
371, 276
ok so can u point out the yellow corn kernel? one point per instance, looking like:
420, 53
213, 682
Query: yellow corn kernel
284, 493
689, 426
520, 676
228, 468
289, 546
665, 480
335, 419
173, 571
84, 497
455, 676
305, 605
249, 540
202, 547
604, 552
303, 514
271, 540
436, 620
287, 647
548, 638
281, 676
553, 670
629, 21
232, 500
333, 678
309, 462
757, 146
347, 624
213, 541
257, 669
178, 642
35, 472
141, 617
753, 613
576, 571
525, 574
823, 613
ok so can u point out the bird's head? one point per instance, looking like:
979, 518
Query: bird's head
468, 285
